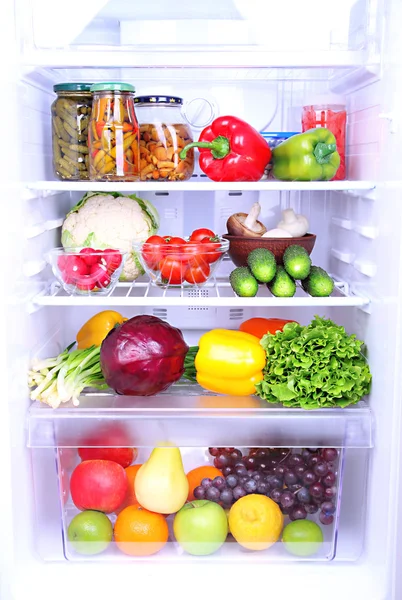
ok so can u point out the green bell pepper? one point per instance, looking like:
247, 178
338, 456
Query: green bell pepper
308, 156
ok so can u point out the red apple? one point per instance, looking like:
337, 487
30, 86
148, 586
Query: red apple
98, 485
122, 456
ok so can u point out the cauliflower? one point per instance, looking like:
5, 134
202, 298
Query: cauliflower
102, 220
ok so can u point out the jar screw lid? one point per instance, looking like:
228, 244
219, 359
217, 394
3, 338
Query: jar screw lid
72, 87
112, 86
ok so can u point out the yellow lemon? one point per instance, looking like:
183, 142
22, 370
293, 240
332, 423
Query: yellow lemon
255, 522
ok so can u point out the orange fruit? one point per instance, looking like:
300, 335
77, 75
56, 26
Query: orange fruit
140, 532
255, 522
195, 477
130, 498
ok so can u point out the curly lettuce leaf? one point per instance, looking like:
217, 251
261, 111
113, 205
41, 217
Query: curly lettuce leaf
314, 367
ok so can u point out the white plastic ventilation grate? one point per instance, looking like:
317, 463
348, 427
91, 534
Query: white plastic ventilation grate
217, 293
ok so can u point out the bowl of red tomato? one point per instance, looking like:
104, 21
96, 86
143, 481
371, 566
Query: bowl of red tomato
176, 261
87, 271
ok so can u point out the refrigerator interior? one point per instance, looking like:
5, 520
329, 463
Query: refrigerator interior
265, 80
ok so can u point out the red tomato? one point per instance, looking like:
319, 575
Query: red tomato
198, 270
175, 247
189, 251
172, 270
113, 259
156, 240
211, 249
176, 240
152, 251
200, 234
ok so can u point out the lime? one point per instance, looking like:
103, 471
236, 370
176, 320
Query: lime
90, 532
302, 537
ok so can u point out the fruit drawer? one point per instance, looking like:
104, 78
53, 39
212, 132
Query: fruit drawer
222, 480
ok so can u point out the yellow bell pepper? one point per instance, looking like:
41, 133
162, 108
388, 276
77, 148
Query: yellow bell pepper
229, 362
94, 331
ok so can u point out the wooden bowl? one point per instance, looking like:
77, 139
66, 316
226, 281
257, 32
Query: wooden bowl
241, 246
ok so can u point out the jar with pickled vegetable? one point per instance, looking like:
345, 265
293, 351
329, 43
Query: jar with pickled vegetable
113, 133
70, 118
333, 117
163, 134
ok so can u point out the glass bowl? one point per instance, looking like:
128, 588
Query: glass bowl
85, 271
189, 264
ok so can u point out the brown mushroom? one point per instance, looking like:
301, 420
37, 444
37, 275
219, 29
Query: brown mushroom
246, 224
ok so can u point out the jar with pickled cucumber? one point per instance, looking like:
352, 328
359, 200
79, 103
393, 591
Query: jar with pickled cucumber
71, 112
113, 133
163, 134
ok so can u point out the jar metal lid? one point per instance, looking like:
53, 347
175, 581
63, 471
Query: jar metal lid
72, 87
112, 86
158, 100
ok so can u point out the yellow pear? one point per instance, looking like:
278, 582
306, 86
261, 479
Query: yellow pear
161, 484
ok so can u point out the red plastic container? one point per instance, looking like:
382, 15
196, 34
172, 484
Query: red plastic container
333, 117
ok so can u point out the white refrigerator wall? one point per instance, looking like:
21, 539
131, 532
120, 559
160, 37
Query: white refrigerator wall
359, 241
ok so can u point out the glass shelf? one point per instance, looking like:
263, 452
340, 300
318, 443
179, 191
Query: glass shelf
187, 416
199, 183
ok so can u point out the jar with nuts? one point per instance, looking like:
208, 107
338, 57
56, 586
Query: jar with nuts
163, 134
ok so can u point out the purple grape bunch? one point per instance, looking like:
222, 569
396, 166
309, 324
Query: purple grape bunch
300, 483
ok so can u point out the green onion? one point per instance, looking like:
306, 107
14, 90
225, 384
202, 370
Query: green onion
62, 378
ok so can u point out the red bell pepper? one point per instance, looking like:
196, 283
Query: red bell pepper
231, 150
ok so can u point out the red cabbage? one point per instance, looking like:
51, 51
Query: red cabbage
143, 356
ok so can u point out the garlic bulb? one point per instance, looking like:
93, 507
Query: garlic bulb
296, 225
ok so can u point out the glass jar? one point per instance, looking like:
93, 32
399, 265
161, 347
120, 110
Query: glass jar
333, 117
163, 134
113, 133
70, 116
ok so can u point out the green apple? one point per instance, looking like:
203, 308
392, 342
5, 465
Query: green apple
201, 527
90, 532
302, 537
